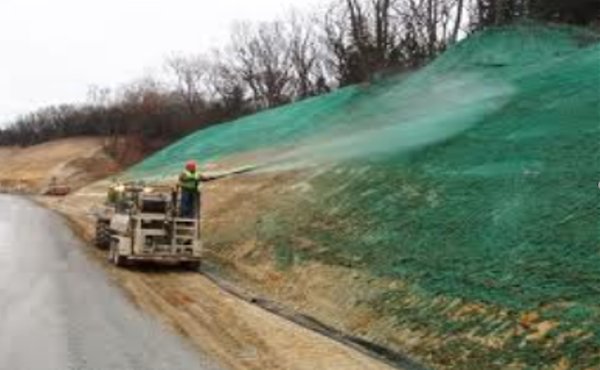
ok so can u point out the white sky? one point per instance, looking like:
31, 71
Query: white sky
51, 51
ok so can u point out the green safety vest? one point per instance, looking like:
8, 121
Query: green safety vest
189, 180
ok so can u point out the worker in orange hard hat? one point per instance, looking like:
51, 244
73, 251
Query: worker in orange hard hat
189, 183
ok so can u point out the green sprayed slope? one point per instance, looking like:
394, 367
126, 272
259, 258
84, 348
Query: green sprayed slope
483, 62
497, 142
475, 177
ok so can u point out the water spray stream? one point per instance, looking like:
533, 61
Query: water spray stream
432, 115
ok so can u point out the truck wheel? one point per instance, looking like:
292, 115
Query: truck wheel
192, 266
114, 256
111, 251
120, 260
102, 239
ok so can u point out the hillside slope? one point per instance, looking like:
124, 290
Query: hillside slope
76, 162
469, 187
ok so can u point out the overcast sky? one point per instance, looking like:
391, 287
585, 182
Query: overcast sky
52, 50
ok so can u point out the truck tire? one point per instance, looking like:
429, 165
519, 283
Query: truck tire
120, 261
192, 265
103, 235
114, 256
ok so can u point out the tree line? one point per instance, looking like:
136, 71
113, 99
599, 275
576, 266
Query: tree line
269, 64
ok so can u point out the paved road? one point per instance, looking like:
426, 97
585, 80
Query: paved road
58, 310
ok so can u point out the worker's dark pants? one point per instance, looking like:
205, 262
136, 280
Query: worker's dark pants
189, 203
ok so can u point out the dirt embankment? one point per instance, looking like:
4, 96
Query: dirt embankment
73, 162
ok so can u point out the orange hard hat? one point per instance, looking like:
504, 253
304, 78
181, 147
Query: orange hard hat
191, 166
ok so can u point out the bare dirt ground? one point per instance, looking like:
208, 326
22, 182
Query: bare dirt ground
75, 162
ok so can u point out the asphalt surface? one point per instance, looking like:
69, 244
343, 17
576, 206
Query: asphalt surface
59, 311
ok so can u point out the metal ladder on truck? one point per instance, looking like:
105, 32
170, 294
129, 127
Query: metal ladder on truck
185, 233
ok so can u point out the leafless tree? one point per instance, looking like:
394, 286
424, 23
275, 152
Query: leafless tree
460, 5
272, 63
190, 74
432, 24
363, 37
262, 59
306, 56
226, 85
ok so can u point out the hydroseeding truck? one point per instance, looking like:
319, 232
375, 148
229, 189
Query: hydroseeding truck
143, 224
